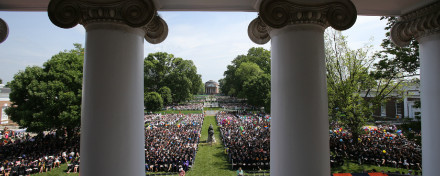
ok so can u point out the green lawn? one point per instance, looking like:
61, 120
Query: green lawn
211, 160
212, 109
58, 172
350, 167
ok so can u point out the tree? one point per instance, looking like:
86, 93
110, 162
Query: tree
180, 86
249, 77
202, 89
394, 60
49, 98
1, 81
179, 75
257, 91
153, 101
165, 93
257, 61
353, 89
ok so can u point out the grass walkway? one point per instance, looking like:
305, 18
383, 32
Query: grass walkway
57, 172
350, 167
210, 160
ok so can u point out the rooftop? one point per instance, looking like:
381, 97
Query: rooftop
364, 7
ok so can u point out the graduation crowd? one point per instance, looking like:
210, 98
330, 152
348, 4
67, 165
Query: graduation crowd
189, 106
171, 141
246, 137
382, 145
28, 155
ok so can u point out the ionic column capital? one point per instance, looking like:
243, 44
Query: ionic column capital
258, 31
416, 24
4, 30
339, 14
133, 13
156, 30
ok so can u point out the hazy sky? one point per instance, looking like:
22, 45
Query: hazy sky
211, 39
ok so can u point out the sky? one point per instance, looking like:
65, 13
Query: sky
210, 39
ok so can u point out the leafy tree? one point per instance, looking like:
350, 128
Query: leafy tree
353, 89
153, 101
232, 83
257, 91
49, 98
165, 93
1, 81
395, 61
180, 87
249, 77
179, 75
202, 89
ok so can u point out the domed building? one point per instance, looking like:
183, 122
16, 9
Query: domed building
211, 87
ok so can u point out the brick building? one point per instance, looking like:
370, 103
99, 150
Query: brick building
401, 104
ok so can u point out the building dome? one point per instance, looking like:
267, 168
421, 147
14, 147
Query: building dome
211, 87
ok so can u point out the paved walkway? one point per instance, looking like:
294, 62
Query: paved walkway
211, 112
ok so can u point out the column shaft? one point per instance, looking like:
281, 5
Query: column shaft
299, 126
430, 100
112, 130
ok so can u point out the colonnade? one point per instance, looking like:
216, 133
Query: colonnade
114, 52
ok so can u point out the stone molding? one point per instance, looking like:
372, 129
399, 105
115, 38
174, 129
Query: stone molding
339, 14
274, 14
258, 31
156, 31
134, 13
4, 30
416, 24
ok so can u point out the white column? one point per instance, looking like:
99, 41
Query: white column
405, 105
112, 128
299, 126
430, 99
422, 25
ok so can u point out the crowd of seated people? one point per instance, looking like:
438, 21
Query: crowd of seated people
38, 154
237, 106
189, 106
246, 137
171, 141
160, 120
229, 99
382, 146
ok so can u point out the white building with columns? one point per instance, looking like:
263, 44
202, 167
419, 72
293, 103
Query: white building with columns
115, 33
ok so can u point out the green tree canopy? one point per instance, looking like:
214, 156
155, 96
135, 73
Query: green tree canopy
165, 93
257, 91
179, 75
249, 77
394, 61
49, 98
153, 101
257, 61
353, 90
